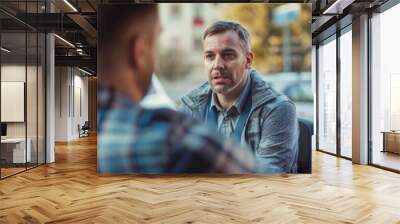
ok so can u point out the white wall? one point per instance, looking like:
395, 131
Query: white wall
80, 94
61, 103
71, 88
12, 100
13, 73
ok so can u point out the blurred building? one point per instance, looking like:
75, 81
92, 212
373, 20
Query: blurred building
183, 27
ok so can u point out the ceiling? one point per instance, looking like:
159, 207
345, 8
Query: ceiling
331, 15
76, 22
76, 25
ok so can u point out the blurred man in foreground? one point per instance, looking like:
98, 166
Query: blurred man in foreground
132, 139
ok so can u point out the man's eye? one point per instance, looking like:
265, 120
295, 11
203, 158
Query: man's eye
229, 56
209, 56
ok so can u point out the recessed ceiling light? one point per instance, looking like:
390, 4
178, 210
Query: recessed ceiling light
70, 5
84, 71
5, 50
337, 7
64, 40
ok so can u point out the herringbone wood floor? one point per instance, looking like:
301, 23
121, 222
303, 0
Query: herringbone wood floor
70, 191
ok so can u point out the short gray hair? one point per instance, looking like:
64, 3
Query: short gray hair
223, 26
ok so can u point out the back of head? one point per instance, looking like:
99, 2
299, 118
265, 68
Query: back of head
117, 25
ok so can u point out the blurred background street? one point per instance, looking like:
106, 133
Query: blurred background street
281, 42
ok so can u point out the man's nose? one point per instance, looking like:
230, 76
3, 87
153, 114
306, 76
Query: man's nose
218, 63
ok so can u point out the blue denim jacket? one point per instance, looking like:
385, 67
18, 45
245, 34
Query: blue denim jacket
271, 130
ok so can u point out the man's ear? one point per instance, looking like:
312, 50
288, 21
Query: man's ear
249, 59
138, 50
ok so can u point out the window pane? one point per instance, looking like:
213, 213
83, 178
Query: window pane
386, 89
31, 97
327, 97
14, 149
346, 94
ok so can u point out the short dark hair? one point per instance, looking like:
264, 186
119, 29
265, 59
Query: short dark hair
113, 23
223, 26
114, 18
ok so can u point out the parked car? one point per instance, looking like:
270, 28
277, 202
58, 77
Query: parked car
298, 87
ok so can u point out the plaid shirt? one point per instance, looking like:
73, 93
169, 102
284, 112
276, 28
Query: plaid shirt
132, 139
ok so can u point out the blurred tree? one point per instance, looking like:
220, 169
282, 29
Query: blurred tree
258, 27
301, 30
266, 39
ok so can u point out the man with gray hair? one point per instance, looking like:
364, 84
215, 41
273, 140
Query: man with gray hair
239, 104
